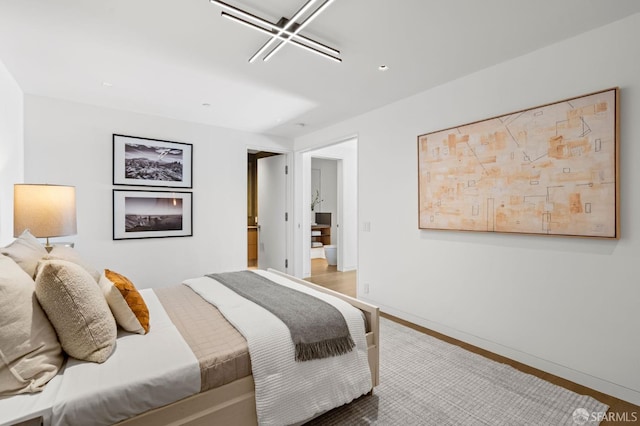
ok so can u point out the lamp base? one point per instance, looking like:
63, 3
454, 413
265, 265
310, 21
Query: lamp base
50, 247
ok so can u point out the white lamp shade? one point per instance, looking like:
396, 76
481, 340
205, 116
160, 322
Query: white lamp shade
45, 210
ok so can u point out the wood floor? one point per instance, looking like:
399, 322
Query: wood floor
328, 276
620, 412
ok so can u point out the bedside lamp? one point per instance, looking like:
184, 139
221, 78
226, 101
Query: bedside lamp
45, 210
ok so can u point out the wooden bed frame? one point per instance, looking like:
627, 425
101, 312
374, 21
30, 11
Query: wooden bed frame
234, 403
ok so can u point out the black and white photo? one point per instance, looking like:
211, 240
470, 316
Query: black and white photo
151, 214
151, 162
148, 162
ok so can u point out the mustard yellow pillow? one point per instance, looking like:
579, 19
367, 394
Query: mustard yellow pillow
125, 301
76, 307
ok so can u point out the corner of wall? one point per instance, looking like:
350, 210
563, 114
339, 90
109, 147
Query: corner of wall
11, 148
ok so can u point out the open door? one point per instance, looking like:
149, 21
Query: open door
272, 220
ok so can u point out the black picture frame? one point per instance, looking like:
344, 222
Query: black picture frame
149, 162
152, 214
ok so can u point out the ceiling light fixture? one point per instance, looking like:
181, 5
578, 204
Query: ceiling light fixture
285, 31
274, 27
293, 42
299, 28
286, 26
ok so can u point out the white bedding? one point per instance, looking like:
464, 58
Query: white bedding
144, 372
287, 391
23, 407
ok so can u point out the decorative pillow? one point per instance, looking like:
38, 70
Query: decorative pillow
72, 255
125, 301
26, 251
77, 309
30, 354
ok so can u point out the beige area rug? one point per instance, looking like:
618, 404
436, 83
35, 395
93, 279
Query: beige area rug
425, 381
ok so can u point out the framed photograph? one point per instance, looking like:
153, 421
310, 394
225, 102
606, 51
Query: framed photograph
152, 214
550, 170
151, 162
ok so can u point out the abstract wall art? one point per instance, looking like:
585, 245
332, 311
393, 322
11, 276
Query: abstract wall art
551, 169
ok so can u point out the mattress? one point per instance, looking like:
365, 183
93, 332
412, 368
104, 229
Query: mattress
220, 349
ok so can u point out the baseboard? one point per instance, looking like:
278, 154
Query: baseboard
568, 373
348, 268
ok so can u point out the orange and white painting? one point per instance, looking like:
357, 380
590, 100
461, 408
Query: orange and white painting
545, 170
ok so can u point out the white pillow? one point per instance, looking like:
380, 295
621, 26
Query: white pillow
77, 309
72, 255
26, 251
30, 354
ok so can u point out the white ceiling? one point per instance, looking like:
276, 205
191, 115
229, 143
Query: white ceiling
168, 57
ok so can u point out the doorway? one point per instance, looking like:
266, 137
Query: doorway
338, 196
267, 217
324, 214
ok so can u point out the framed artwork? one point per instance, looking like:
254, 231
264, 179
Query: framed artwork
152, 214
151, 162
551, 169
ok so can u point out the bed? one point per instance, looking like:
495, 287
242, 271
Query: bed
220, 389
234, 402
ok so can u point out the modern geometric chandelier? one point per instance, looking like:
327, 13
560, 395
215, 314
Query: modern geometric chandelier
285, 31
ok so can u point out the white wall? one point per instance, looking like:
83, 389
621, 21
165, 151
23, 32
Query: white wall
11, 149
566, 305
71, 143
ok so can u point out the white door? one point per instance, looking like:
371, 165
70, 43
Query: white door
272, 203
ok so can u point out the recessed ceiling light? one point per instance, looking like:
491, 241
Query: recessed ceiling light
383, 67
107, 84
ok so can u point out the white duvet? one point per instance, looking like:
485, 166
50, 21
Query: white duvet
144, 372
287, 391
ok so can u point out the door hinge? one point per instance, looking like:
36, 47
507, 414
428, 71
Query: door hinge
286, 170
286, 263
286, 216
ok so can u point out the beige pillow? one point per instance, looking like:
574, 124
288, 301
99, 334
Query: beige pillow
77, 309
26, 251
30, 354
125, 301
72, 255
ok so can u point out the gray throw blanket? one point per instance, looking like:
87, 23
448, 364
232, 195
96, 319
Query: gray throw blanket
317, 329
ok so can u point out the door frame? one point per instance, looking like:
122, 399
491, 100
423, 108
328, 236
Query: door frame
302, 231
289, 237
